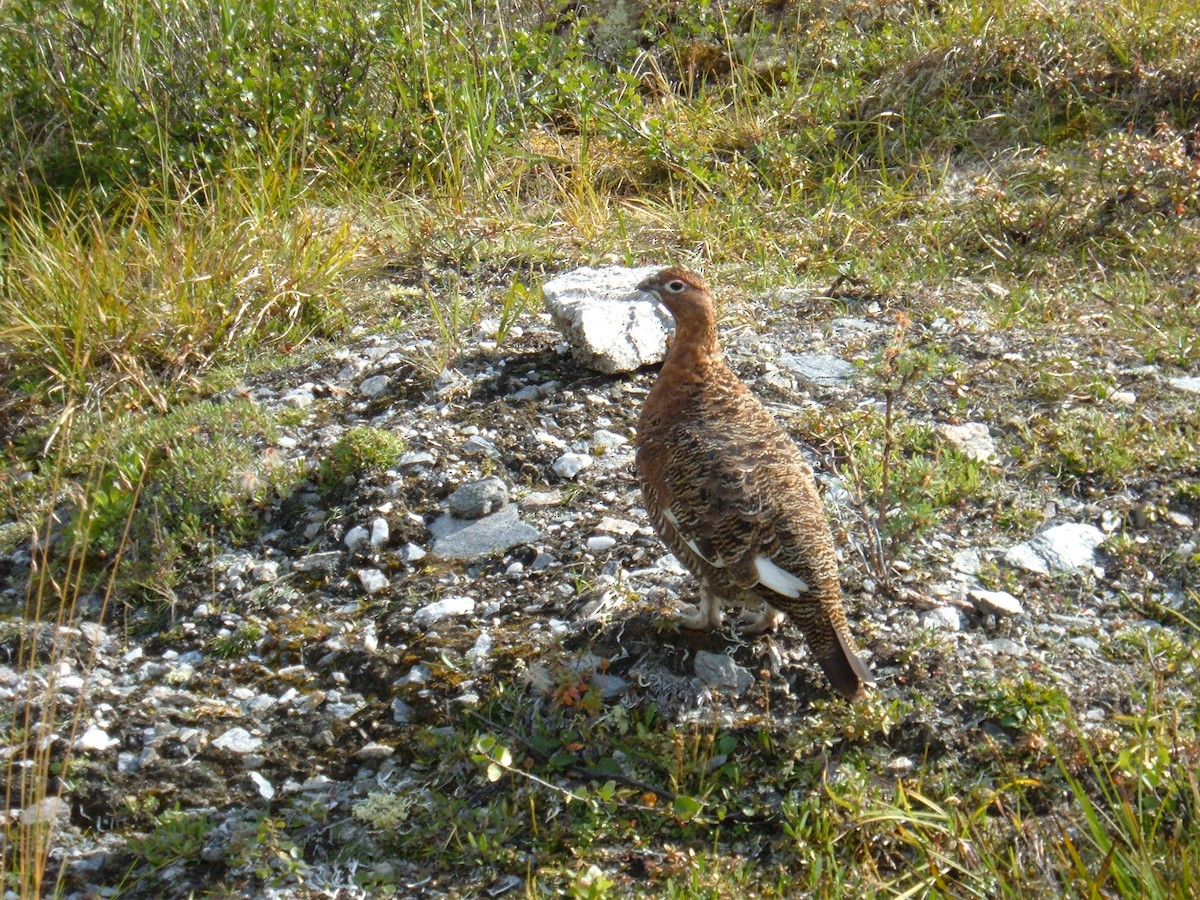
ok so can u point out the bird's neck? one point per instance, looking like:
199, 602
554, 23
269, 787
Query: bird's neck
694, 353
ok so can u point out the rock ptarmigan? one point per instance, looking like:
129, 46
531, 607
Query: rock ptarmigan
730, 494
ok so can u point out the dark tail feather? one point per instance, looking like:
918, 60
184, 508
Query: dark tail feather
847, 673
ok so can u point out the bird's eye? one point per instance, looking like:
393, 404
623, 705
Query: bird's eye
675, 287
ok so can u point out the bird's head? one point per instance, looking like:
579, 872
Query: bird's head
683, 292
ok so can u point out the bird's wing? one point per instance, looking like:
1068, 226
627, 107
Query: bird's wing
734, 498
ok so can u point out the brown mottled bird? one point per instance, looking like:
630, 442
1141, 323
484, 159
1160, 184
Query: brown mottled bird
730, 494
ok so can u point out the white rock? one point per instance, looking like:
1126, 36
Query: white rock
1005, 646
70, 684
608, 440
1023, 556
380, 532
266, 790
238, 740
45, 811
819, 367
443, 609
299, 397
1000, 603
1187, 383
372, 580
356, 537
1063, 549
265, 572
1123, 398
374, 751
1068, 548
942, 618
619, 527
598, 543
973, 439
411, 552
608, 324
569, 465
95, 738
966, 561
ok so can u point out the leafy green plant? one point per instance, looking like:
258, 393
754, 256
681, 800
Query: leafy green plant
177, 836
361, 447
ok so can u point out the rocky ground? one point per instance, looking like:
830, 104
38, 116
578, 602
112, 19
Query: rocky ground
292, 675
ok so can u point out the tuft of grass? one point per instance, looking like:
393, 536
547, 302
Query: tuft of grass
361, 447
128, 303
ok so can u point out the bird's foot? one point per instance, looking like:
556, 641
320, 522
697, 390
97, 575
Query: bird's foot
705, 615
768, 618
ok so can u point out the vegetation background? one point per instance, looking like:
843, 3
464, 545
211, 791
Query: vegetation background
194, 191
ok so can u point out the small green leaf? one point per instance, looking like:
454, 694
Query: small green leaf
686, 807
494, 772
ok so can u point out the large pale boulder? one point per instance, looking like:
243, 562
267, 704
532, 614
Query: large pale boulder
609, 325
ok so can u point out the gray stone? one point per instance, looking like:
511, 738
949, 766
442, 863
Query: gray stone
455, 538
417, 675
999, 603
611, 686
569, 465
716, 670
598, 543
478, 445
415, 459
1063, 548
318, 562
608, 324
476, 499
435, 612
819, 367
375, 386
412, 553
1123, 398
972, 439
402, 713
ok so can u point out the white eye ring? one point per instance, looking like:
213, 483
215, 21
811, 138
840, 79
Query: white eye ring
675, 287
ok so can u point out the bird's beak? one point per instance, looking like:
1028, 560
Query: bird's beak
649, 287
